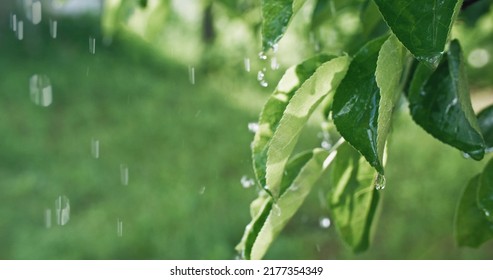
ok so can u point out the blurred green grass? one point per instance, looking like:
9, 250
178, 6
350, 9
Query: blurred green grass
186, 146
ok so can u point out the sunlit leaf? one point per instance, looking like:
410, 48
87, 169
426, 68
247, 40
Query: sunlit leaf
274, 108
472, 227
276, 15
485, 121
269, 217
390, 64
440, 103
365, 98
353, 198
326, 78
423, 26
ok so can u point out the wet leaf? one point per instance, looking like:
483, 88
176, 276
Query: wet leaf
365, 98
276, 15
485, 121
274, 108
353, 198
485, 192
326, 78
423, 26
441, 105
472, 227
269, 217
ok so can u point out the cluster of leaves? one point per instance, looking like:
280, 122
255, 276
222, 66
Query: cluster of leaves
412, 56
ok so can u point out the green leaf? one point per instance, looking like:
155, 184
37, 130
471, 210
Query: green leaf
353, 198
326, 78
274, 108
276, 15
390, 64
485, 121
365, 99
472, 227
485, 192
269, 218
423, 26
439, 102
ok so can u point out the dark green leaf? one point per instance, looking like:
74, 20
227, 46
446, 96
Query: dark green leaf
353, 197
276, 15
440, 103
423, 26
364, 101
472, 227
485, 121
485, 192
274, 108
269, 217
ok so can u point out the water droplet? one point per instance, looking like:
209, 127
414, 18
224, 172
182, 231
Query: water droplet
40, 90
246, 62
260, 75
276, 209
53, 28
247, 182
262, 56
20, 30
202, 190
326, 145
324, 222
62, 210
275, 47
380, 182
48, 218
119, 227
92, 45
13, 22
191, 74
95, 148
465, 155
124, 174
264, 83
36, 12
253, 127
274, 65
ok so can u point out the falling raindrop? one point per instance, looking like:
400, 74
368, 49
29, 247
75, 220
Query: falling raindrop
380, 182
326, 144
262, 56
119, 227
246, 62
53, 28
13, 22
324, 222
92, 45
276, 209
48, 218
40, 90
20, 30
202, 190
264, 83
36, 12
253, 127
95, 148
191, 74
247, 182
124, 174
275, 48
62, 210
317, 247
274, 65
260, 75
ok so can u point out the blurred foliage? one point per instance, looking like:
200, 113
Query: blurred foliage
187, 145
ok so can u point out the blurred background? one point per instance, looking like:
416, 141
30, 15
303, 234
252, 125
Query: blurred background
126, 125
